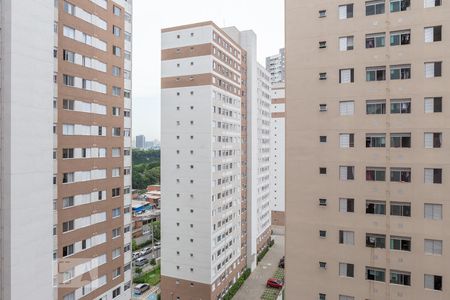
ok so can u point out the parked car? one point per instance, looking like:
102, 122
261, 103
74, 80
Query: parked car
136, 255
158, 244
146, 251
141, 261
141, 288
281, 263
275, 283
156, 247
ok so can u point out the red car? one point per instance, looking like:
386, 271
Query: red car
275, 283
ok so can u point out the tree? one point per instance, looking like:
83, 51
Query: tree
138, 271
134, 246
156, 230
153, 261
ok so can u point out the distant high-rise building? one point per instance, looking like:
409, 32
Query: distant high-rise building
367, 149
214, 171
140, 141
276, 65
67, 89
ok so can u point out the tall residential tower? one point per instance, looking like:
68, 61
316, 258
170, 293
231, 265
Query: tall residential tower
210, 227
367, 149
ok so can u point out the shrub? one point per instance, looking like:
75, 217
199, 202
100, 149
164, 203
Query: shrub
237, 285
262, 253
138, 271
153, 261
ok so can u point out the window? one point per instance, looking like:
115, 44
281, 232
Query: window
375, 7
400, 106
433, 69
400, 175
322, 107
375, 40
116, 51
375, 140
115, 71
115, 152
322, 265
400, 5
345, 11
347, 140
68, 104
115, 192
116, 292
400, 37
346, 270
376, 73
116, 212
433, 104
400, 140
69, 8
433, 247
116, 232
375, 274
116, 272
69, 56
323, 202
68, 226
322, 13
322, 171
399, 277
400, 72
346, 237
68, 202
68, 177
69, 80
433, 176
400, 243
433, 211
431, 3
116, 131
115, 172
322, 44
346, 173
376, 107
375, 174
375, 240
116, 91
116, 31
68, 153
343, 297
433, 140
68, 250
117, 11
346, 76
346, 205
116, 253
116, 111
433, 34
323, 76
433, 282
346, 43
321, 297
69, 32
323, 138
70, 296
322, 233
402, 209
375, 207
346, 108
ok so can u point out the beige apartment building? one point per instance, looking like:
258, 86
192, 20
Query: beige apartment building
92, 141
367, 140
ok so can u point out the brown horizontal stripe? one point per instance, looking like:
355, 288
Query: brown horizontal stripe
188, 51
185, 81
279, 101
279, 115
278, 88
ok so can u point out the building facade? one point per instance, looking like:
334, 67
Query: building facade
87, 101
366, 90
207, 84
276, 65
140, 142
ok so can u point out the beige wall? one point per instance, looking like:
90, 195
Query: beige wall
304, 153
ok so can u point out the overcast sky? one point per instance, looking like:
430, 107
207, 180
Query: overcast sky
265, 17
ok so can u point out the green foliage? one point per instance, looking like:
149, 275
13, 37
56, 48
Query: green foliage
152, 277
146, 168
262, 254
134, 245
159, 296
153, 261
271, 243
138, 270
237, 285
157, 230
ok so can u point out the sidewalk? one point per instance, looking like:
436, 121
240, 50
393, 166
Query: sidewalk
255, 285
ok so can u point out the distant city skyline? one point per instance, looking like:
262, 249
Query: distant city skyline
147, 23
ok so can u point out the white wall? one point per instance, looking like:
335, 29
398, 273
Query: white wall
26, 149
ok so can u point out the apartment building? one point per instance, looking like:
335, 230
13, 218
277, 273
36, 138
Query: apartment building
210, 231
140, 142
66, 87
276, 65
367, 149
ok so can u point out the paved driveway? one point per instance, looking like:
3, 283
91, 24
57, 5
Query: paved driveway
255, 285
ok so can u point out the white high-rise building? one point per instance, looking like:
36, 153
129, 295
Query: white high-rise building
276, 65
213, 220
